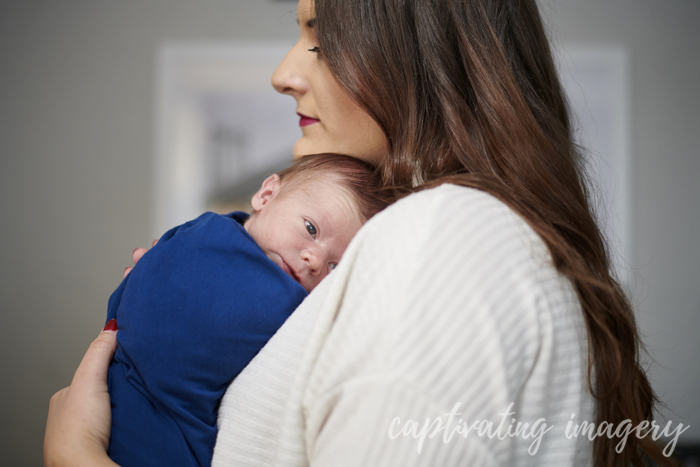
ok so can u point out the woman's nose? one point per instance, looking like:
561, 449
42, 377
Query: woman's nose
288, 78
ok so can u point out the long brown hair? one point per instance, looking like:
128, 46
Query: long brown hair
466, 92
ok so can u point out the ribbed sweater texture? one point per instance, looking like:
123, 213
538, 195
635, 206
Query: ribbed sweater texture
446, 302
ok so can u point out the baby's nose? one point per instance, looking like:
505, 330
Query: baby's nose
315, 259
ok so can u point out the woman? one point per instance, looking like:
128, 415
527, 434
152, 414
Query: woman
486, 298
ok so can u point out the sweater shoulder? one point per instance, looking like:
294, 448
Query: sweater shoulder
456, 218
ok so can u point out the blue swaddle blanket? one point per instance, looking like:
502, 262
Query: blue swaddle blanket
191, 314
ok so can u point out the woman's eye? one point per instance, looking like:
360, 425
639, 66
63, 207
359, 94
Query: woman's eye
315, 50
332, 265
310, 228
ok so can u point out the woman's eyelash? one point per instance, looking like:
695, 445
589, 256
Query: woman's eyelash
315, 50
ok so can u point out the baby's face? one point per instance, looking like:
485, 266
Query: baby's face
304, 229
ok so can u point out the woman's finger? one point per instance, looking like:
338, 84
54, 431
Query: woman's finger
138, 253
95, 363
79, 421
136, 256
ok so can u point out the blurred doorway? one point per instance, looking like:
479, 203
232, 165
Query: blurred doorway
222, 128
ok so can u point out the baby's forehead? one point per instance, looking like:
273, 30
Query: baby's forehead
318, 184
318, 189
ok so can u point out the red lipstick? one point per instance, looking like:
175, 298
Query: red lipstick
306, 121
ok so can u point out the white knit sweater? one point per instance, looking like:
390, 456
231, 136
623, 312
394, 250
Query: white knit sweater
447, 297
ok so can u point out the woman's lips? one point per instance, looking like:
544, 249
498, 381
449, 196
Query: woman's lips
306, 121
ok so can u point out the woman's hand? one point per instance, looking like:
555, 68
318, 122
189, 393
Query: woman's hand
136, 256
80, 418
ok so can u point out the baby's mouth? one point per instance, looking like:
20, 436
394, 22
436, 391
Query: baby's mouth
290, 271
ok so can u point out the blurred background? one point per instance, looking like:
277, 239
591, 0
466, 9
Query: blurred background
121, 118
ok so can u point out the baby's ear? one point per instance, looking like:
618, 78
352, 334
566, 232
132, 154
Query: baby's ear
270, 188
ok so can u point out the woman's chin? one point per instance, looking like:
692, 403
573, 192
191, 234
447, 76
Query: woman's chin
369, 153
305, 146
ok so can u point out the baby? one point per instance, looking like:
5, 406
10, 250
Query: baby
201, 304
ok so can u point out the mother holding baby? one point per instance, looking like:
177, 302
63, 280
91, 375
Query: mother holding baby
484, 295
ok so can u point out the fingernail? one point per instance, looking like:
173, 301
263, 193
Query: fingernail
110, 326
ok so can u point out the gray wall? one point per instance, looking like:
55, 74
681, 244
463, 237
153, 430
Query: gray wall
77, 107
664, 43
77, 83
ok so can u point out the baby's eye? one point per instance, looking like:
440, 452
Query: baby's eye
310, 228
315, 50
332, 265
